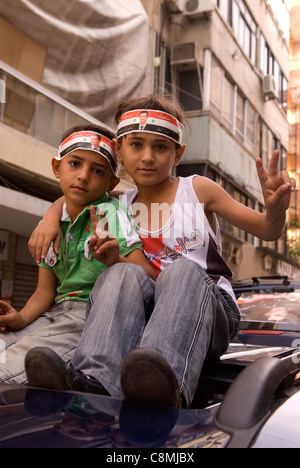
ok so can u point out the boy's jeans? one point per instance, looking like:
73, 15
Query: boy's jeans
184, 316
58, 329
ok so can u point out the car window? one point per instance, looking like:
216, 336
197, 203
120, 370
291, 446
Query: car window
283, 307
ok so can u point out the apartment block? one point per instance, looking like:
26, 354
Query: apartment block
294, 120
32, 120
228, 63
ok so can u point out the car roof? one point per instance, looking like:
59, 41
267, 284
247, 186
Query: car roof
272, 283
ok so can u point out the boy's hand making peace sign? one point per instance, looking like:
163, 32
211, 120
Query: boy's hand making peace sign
276, 188
103, 246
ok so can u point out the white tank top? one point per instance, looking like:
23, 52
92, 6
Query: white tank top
187, 234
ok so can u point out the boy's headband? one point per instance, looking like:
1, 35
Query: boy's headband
83, 140
151, 121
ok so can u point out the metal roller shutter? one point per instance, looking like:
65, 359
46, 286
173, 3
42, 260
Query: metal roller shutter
25, 281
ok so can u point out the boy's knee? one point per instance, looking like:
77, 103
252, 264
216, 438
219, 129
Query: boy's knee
184, 274
119, 279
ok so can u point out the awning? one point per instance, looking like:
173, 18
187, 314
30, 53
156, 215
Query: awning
20, 213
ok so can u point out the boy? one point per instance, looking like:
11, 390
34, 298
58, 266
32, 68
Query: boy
87, 249
190, 313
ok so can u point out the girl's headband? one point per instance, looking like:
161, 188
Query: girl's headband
91, 141
151, 121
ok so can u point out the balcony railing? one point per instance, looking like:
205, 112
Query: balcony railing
34, 110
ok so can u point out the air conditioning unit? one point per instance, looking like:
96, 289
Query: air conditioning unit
198, 8
175, 6
186, 55
269, 87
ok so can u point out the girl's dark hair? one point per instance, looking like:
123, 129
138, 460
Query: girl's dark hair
88, 128
164, 103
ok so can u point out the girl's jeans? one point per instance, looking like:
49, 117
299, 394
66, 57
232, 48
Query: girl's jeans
184, 316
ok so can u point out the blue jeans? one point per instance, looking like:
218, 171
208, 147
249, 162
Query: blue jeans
184, 316
59, 329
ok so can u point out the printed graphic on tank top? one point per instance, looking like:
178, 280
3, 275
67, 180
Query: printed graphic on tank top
187, 234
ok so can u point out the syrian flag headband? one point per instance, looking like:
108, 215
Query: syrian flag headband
91, 141
151, 121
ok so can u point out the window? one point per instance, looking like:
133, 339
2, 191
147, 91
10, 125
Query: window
228, 184
217, 74
283, 93
270, 66
224, 6
222, 92
164, 79
263, 55
245, 29
189, 90
268, 143
228, 91
277, 76
237, 14
240, 117
251, 123
264, 143
242, 197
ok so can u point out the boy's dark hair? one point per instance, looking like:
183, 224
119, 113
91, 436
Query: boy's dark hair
88, 128
164, 103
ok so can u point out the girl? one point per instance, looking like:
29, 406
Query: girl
190, 314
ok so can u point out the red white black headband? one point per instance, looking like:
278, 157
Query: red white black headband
151, 121
92, 141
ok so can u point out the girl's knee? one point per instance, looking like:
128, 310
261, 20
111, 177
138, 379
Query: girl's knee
184, 267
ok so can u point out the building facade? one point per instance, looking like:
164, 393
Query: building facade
32, 120
228, 63
294, 120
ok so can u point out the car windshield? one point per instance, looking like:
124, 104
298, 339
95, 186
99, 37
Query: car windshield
264, 307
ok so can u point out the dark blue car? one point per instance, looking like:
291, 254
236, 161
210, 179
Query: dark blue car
249, 398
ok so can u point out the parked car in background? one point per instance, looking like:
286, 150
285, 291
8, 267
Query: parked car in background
270, 310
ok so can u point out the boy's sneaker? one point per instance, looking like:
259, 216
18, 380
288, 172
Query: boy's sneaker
148, 378
45, 369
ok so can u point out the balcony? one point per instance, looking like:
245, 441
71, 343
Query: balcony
213, 152
34, 110
32, 121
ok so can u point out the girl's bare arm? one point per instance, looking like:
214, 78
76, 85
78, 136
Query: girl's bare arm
276, 189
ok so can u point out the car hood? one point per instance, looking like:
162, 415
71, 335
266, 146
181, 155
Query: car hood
251, 352
32, 418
